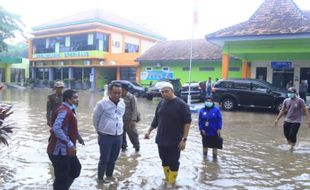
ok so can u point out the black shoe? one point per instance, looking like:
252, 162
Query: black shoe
124, 149
137, 149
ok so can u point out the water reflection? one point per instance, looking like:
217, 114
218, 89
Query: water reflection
255, 154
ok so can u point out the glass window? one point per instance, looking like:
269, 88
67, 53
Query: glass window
259, 88
67, 43
131, 48
185, 68
234, 68
206, 68
90, 40
165, 68
225, 84
242, 86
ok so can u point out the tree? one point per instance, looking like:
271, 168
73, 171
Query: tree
16, 50
9, 24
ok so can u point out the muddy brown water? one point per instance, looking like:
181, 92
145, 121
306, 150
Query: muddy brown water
255, 155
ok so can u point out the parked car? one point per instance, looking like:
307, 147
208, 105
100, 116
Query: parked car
133, 87
154, 90
195, 91
231, 93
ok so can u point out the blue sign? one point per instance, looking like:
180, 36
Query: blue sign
156, 75
281, 65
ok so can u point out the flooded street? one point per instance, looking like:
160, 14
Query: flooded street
255, 154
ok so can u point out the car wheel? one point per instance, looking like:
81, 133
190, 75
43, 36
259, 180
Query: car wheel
228, 104
149, 97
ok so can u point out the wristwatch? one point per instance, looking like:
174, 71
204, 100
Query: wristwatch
184, 139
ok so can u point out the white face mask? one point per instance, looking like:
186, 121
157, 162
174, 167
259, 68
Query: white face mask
208, 104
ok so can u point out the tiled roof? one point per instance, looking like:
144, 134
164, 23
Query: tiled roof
180, 50
273, 17
100, 16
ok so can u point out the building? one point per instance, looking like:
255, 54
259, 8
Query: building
14, 70
91, 47
171, 59
274, 44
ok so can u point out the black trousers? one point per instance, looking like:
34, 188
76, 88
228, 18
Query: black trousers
170, 156
66, 169
290, 131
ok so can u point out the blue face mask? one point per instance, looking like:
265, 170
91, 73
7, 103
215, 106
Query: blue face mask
73, 107
291, 95
208, 104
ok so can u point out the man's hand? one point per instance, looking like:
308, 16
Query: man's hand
276, 122
182, 145
80, 140
308, 123
71, 151
147, 135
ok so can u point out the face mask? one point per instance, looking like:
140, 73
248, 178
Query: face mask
291, 95
208, 104
73, 107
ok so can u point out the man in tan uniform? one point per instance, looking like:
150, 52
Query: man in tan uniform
54, 101
130, 118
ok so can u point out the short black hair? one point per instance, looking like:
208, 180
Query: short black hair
68, 94
117, 85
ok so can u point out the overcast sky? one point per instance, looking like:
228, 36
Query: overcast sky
170, 18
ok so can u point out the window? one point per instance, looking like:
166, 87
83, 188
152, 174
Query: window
206, 68
131, 48
234, 68
242, 86
90, 39
225, 84
259, 88
67, 41
148, 68
185, 68
102, 42
166, 69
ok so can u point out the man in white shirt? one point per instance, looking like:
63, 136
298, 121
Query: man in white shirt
108, 122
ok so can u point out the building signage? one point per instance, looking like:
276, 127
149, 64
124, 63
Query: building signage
156, 75
46, 55
63, 54
281, 65
76, 54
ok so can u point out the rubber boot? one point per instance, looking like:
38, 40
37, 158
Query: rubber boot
172, 177
166, 172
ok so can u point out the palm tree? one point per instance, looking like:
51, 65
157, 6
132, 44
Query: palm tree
4, 128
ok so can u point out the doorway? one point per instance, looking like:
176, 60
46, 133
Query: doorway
281, 77
261, 73
305, 75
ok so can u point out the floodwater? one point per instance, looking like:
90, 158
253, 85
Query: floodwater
255, 155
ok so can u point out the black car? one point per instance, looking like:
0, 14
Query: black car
154, 90
195, 91
133, 87
231, 93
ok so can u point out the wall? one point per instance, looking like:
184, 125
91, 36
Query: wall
197, 75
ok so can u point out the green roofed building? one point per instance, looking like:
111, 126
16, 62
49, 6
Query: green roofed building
14, 70
274, 44
170, 59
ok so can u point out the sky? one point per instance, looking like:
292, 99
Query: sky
171, 18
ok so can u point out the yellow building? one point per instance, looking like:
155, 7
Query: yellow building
92, 47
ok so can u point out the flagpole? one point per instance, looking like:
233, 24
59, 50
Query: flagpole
195, 15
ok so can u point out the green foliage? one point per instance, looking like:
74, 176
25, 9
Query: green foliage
17, 50
9, 24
